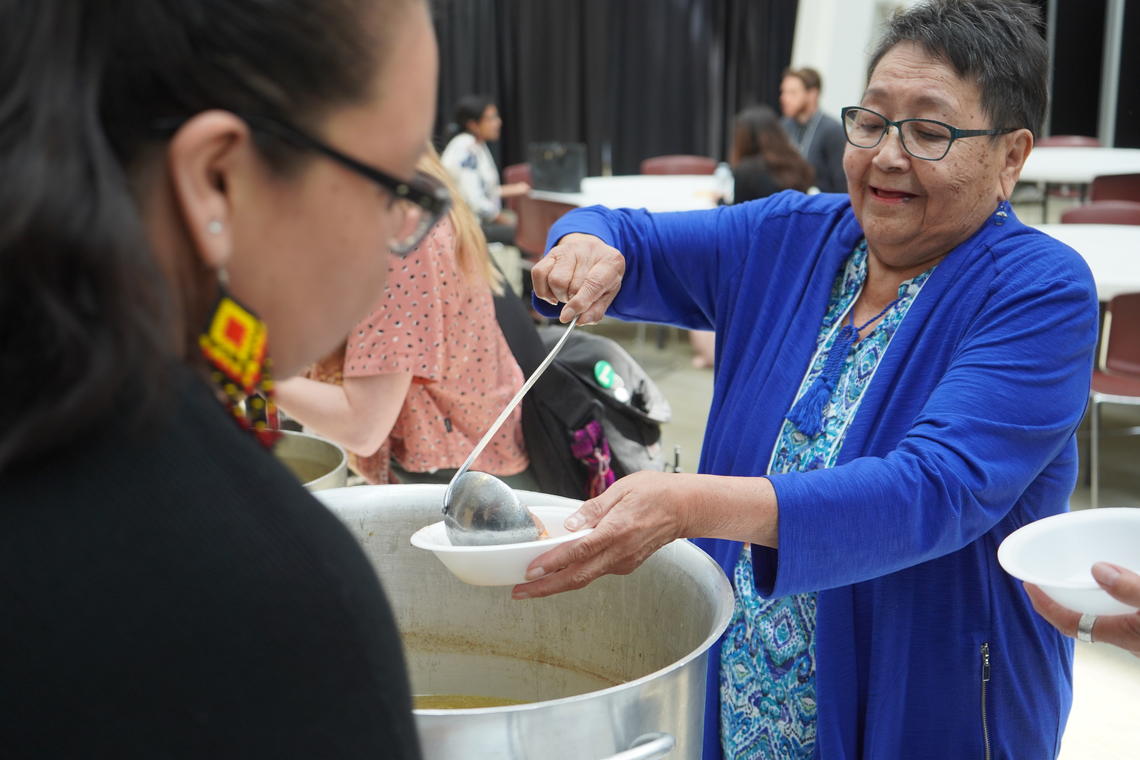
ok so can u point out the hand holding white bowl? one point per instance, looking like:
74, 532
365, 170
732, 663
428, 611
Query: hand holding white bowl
496, 564
1055, 554
1120, 630
1053, 557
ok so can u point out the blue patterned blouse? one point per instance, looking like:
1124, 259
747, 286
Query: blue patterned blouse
767, 666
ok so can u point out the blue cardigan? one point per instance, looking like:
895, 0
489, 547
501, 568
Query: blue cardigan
965, 434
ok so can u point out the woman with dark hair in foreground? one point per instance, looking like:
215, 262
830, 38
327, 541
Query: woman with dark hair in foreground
186, 183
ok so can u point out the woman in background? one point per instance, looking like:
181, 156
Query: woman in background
184, 184
423, 376
764, 162
763, 159
468, 158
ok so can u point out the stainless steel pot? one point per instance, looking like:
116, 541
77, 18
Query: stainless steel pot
616, 670
317, 462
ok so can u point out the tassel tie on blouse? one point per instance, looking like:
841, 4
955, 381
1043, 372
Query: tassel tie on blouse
807, 413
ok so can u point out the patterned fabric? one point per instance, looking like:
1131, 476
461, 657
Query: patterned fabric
442, 330
767, 666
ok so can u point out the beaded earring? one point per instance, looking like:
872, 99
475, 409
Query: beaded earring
234, 345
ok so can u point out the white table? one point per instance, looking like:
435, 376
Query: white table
1111, 250
657, 192
1078, 166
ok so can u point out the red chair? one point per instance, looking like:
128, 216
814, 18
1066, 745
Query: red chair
536, 217
1117, 379
1068, 141
1115, 187
512, 174
1103, 212
679, 164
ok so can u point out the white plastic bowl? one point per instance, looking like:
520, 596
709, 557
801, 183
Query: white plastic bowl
1057, 553
502, 564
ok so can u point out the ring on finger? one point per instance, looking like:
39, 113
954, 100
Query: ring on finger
1085, 627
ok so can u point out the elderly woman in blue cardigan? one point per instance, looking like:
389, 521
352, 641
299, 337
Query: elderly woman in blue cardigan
900, 372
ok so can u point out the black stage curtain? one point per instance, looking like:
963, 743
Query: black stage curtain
629, 78
1075, 99
1128, 102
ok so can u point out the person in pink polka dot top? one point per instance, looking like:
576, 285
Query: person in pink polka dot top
421, 378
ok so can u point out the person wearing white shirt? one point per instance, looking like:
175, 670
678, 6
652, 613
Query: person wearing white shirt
469, 161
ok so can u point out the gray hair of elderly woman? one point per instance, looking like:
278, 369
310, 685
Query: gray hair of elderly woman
996, 43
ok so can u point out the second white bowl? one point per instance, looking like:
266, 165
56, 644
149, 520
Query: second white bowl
1057, 553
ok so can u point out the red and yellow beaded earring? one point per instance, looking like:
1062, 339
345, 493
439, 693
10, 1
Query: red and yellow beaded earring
234, 344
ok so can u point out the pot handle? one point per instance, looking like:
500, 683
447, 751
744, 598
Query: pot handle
647, 747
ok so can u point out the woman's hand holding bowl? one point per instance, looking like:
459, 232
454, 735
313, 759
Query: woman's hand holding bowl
582, 272
1119, 630
635, 517
643, 512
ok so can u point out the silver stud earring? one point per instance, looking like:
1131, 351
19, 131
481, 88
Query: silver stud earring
214, 227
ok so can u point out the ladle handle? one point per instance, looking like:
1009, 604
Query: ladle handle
510, 407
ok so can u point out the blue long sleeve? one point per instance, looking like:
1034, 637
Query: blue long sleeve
675, 262
1010, 400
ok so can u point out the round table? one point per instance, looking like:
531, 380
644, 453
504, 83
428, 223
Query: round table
1078, 166
657, 192
1112, 252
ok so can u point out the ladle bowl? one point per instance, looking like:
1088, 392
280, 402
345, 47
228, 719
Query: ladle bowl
484, 510
478, 508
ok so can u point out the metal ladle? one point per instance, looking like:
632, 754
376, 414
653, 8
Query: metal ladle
478, 508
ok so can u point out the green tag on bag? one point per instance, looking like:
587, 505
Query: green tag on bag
604, 373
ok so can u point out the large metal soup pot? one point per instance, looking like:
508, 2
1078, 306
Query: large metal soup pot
615, 670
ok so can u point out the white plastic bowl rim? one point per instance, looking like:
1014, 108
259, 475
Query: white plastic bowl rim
422, 537
1008, 552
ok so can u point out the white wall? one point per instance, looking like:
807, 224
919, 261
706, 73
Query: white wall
835, 37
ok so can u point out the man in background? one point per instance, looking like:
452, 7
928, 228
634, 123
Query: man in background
470, 163
818, 136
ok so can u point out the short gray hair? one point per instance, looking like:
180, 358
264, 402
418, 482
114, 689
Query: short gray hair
996, 43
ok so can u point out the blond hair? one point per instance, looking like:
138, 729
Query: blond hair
471, 255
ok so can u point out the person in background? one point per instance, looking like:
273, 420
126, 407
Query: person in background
186, 183
1119, 630
817, 136
902, 373
423, 376
472, 166
763, 162
763, 159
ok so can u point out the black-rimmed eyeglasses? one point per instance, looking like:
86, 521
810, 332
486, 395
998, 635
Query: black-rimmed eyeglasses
419, 202
925, 139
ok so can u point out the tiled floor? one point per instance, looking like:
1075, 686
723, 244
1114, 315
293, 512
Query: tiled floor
1104, 721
